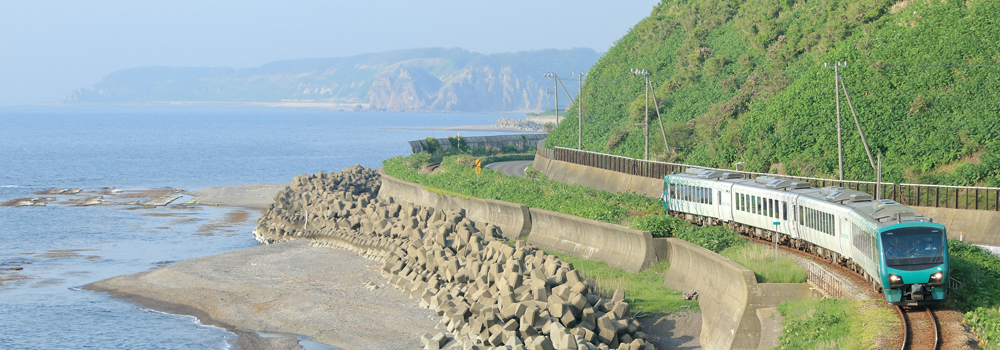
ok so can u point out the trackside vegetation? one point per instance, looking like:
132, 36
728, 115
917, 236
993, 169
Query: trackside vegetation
836, 324
979, 273
744, 80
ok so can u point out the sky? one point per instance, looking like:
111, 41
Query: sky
50, 48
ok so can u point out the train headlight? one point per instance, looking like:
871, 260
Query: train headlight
895, 281
936, 278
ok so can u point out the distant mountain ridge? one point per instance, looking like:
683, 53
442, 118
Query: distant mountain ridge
415, 80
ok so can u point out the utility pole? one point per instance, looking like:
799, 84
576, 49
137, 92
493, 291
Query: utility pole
878, 181
645, 74
659, 118
836, 89
555, 91
579, 113
858, 123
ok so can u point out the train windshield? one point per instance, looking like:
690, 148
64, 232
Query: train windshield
913, 248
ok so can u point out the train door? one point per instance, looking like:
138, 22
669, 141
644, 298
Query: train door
844, 231
723, 196
795, 217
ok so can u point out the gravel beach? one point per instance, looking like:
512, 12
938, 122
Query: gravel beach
289, 287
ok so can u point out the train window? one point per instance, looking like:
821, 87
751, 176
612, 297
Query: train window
831, 223
739, 201
802, 220
784, 210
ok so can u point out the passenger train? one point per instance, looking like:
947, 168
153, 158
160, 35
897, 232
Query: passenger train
903, 254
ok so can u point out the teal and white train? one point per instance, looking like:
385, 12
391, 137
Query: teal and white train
902, 253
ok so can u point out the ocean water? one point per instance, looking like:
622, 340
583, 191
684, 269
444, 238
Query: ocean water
61, 247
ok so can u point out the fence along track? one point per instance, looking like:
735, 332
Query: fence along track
938, 196
917, 333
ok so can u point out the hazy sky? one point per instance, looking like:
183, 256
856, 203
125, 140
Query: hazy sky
50, 48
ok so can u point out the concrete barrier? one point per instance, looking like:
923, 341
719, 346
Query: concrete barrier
514, 220
596, 178
972, 226
728, 294
619, 246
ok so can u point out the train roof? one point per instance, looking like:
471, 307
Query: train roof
880, 212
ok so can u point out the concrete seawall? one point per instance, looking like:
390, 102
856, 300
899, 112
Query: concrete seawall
513, 220
619, 246
596, 178
972, 226
729, 295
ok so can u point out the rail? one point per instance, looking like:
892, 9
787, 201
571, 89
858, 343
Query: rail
937, 196
913, 336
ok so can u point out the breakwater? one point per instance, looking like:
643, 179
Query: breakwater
489, 292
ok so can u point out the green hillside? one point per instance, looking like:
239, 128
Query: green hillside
745, 81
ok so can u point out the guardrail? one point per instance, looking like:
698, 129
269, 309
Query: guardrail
833, 285
938, 196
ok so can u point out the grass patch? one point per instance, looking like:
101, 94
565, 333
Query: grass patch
642, 290
835, 324
760, 260
445, 192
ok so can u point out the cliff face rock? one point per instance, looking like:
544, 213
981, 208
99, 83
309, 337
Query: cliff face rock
420, 80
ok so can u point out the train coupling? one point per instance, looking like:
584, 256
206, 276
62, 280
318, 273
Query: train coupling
918, 291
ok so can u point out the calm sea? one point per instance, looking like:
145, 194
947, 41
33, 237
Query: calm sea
62, 247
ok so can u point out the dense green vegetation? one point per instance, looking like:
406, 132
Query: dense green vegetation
743, 80
979, 273
835, 324
644, 290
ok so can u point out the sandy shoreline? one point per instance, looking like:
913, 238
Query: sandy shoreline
288, 287
256, 196
294, 288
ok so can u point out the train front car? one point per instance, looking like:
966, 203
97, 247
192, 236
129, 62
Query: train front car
914, 263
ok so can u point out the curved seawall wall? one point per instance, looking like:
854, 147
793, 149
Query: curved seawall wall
619, 246
596, 178
513, 220
622, 247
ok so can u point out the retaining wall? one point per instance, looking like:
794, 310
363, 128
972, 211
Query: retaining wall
596, 178
728, 294
513, 220
619, 246
973, 226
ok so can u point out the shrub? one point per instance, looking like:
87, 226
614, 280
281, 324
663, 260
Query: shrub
714, 238
658, 225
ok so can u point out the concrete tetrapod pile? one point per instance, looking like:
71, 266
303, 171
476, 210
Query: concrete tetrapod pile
490, 294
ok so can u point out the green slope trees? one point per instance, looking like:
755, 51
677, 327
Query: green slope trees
745, 81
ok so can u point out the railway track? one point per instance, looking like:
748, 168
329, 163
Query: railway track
921, 329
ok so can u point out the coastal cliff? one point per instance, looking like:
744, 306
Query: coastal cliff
417, 80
